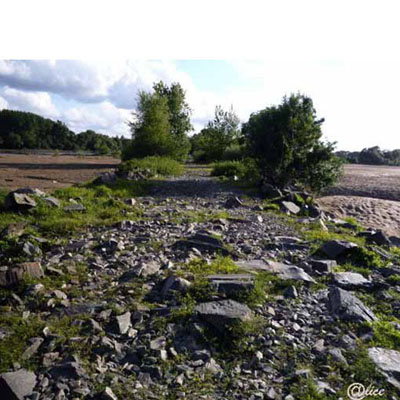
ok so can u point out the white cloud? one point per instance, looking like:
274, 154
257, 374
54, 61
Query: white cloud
3, 103
36, 102
102, 117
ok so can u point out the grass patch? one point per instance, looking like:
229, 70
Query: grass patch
104, 205
386, 335
229, 169
156, 165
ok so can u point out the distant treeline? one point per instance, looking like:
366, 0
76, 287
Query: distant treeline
373, 155
24, 130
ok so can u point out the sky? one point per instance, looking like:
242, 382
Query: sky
342, 54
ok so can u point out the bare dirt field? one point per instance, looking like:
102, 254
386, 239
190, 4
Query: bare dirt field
371, 194
49, 172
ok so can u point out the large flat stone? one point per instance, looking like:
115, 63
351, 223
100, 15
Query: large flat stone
284, 271
10, 276
337, 248
18, 202
16, 385
348, 307
231, 284
222, 313
388, 362
350, 280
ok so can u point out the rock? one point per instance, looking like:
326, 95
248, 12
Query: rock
52, 201
348, 307
30, 249
350, 280
149, 268
108, 394
231, 284
291, 292
336, 248
33, 348
222, 313
290, 208
130, 202
174, 283
19, 202
124, 322
233, 202
158, 343
106, 178
284, 271
10, 276
203, 241
17, 385
378, 237
74, 208
13, 230
71, 368
31, 191
270, 191
388, 362
322, 266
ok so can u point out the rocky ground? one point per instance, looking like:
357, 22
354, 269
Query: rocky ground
211, 293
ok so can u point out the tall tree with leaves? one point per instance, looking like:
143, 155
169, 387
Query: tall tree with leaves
220, 133
160, 124
179, 115
151, 129
285, 141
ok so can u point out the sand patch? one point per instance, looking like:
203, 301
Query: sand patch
370, 212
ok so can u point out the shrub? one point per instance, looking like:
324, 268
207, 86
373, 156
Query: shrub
229, 169
285, 141
220, 134
156, 165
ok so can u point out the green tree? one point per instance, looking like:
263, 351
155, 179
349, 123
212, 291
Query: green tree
179, 116
219, 134
285, 141
151, 129
160, 124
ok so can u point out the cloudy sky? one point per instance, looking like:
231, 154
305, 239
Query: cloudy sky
101, 95
342, 54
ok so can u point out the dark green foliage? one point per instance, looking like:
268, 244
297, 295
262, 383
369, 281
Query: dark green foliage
23, 130
160, 124
285, 141
372, 155
155, 165
229, 169
220, 134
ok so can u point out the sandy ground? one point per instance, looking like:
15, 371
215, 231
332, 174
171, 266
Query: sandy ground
49, 172
371, 194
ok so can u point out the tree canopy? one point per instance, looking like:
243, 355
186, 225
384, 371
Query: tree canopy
219, 134
285, 141
24, 130
160, 124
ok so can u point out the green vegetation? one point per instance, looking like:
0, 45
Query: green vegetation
386, 334
156, 165
229, 169
160, 124
219, 138
372, 155
24, 130
103, 204
285, 141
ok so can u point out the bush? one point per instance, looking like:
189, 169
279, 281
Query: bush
285, 142
229, 169
220, 134
156, 165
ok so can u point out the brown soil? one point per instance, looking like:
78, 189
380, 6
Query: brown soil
49, 172
371, 194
